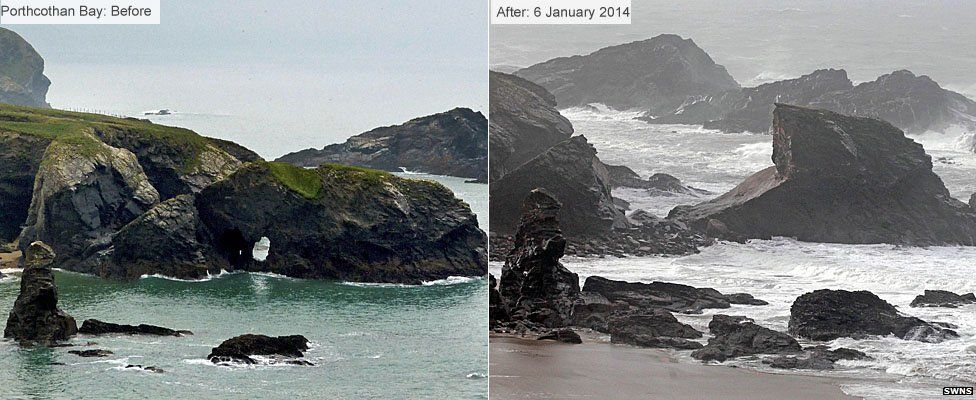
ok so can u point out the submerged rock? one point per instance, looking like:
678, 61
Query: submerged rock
523, 122
817, 358
240, 348
534, 285
343, 223
830, 314
657, 74
96, 327
91, 353
151, 368
22, 80
942, 298
840, 179
571, 173
451, 143
737, 336
35, 317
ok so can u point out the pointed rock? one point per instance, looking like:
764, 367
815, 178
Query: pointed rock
36, 317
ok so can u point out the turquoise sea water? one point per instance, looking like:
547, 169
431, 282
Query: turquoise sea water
368, 341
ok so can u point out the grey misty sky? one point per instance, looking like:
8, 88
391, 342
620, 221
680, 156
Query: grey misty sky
313, 72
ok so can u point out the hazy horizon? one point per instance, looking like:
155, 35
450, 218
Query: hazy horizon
276, 79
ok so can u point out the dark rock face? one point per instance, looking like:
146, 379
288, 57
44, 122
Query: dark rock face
91, 353
830, 314
942, 298
82, 195
535, 286
658, 74
840, 179
564, 335
658, 329
96, 327
657, 184
240, 348
20, 157
573, 174
36, 317
241, 153
341, 223
450, 143
497, 310
737, 336
524, 122
172, 227
668, 296
22, 80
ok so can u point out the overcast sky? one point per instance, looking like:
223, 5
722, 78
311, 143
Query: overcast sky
313, 72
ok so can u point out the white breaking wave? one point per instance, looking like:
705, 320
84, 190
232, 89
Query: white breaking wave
209, 276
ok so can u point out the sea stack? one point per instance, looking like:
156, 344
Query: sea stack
35, 317
535, 286
840, 179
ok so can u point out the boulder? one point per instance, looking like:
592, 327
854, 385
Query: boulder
571, 173
523, 122
96, 327
657, 75
35, 317
22, 80
593, 311
343, 223
534, 285
239, 349
658, 329
84, 192
840, 179
942, 298
451, 143
736, 336
817, 358
564, 335
829, 314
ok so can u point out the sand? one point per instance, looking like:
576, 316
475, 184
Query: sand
530, 369
9, 260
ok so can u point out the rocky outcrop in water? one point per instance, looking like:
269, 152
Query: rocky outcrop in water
830, 314
656, 329
343, 223
35, 317
840, 179
91, 353
22, 80
657, 74
817, 358
914, 104
534, 285
570, 172
524, 122
737, 336
96, 327
656, 185
451, 143
240, 348
942, 298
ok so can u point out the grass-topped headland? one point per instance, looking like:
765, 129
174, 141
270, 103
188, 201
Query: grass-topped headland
303, 181
71, 127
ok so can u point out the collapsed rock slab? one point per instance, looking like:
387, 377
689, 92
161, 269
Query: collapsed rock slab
829, 314
840, 179
35, 317
240, 348
659, 329
669, 296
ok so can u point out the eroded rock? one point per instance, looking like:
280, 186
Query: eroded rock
240, 348
35, 317
96, 327
737, 336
